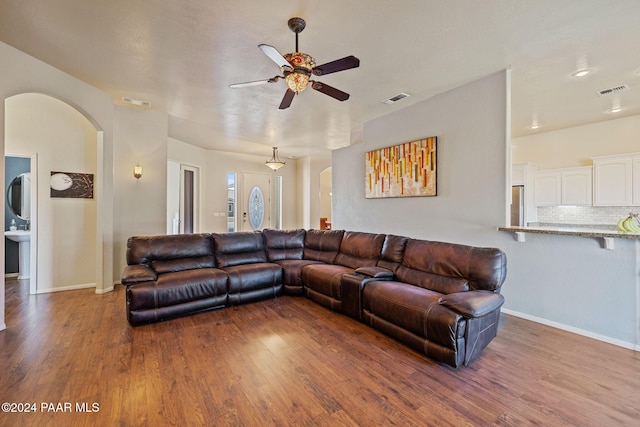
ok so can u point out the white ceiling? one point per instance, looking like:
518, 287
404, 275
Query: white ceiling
181, 57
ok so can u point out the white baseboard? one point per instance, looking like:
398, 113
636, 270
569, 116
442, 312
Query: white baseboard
11, 275
104, 291
66, 288
589, 334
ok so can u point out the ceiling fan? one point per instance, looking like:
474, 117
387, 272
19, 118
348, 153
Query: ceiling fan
297, 68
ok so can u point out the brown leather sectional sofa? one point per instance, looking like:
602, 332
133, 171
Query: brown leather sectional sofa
441, 299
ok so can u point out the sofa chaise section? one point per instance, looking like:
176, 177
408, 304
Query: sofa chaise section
168, 276
443, 300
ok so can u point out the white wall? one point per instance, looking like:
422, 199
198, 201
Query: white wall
570, 282
140, 137
64, 141
470, 168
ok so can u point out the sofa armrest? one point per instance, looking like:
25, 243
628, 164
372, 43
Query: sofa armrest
375, 272
137, 274
472, 304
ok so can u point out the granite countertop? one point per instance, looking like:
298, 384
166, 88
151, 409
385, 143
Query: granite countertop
573, 230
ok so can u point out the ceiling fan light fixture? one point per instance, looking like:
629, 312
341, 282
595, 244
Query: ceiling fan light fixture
297, 82
302, 64
274, 163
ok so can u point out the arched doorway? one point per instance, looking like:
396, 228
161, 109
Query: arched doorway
325, 198
65, 231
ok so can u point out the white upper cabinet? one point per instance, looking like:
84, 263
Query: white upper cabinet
548, 188
577, 186
518, 174
570, 186
613, 180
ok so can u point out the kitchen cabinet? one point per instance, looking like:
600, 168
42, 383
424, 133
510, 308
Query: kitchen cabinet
519, 174
569, 187
577, 185
548, 188
613, 180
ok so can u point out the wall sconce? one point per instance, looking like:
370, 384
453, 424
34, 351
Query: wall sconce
137, 171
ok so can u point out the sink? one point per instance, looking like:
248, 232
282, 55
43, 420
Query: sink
22, 237
18, 235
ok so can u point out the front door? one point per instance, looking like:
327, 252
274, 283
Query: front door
256, 206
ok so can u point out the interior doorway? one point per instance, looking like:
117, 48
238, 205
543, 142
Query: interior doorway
183, 198
189, 177
325, 198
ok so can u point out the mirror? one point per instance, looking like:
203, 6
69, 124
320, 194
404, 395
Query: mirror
19, 196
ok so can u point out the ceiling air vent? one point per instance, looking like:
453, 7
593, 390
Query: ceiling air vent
396, 98
613, 90
136, 102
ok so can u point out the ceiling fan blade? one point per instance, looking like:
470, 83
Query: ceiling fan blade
286, 101
331, 91
275, 56
338, 65
254, 83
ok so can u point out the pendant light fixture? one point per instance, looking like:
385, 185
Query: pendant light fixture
274, 162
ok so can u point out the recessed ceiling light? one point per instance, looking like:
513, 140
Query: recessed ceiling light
534, 126
580, 73
615, 110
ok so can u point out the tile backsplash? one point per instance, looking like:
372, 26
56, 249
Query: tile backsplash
588, 215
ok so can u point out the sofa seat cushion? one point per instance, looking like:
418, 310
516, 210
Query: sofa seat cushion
256, 281
292, 270
180, 287
325, 278
414, 309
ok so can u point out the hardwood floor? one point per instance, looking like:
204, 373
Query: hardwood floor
291, 362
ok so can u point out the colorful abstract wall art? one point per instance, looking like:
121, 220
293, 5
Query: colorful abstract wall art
405, 170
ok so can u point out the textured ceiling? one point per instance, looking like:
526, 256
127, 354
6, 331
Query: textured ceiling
181, 57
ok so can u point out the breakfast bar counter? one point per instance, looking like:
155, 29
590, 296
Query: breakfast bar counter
606, 235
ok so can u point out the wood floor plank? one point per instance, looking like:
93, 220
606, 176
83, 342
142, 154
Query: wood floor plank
291, 362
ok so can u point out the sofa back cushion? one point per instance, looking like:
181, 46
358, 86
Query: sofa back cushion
283, 244
231, 249
359, 249
449, 268
171, 253
322, 245
392, 252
